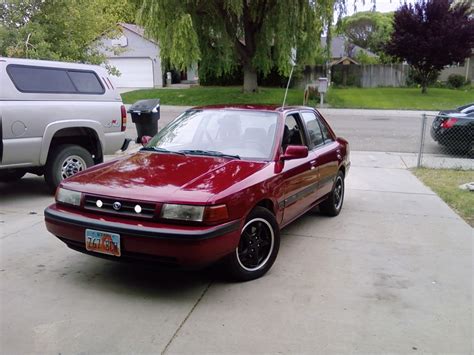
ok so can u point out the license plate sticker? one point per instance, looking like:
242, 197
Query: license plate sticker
103, 242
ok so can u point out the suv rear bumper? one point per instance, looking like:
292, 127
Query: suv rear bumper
113, 142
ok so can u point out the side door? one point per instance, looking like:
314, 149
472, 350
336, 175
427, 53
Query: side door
300, 178
325, 153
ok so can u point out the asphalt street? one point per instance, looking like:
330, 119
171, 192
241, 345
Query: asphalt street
391, 274
366, 130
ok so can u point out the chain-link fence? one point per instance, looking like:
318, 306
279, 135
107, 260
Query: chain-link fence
446, 141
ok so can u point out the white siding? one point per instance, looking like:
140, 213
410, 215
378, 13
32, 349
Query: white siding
135, 72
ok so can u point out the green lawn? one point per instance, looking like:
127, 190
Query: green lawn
399, 98
381, 98
445, 183
208, 95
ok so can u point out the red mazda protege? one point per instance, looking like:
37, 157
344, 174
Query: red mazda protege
217, 183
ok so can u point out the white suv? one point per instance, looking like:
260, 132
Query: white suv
56, 118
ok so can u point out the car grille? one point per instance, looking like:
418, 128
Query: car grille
122, 207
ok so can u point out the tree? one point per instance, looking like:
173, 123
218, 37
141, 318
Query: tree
58, 29
258, 35
432, 34
370, 30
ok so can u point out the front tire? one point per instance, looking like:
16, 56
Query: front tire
333, 204
258, 246
65, 161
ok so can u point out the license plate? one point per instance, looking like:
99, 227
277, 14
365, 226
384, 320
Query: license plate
103, 242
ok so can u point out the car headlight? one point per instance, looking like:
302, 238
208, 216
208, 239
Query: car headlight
68, 197
182, 212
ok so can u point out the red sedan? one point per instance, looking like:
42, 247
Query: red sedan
217, 183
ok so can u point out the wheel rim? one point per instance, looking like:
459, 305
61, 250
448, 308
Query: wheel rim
338, 193
256, 244
72, 165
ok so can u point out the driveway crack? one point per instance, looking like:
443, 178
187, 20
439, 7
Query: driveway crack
19, 230
186, 318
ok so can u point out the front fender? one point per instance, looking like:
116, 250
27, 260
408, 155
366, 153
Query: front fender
56, 126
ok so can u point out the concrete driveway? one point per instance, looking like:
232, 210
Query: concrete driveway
393, 273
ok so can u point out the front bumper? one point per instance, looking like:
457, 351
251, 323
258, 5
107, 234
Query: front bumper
146, 240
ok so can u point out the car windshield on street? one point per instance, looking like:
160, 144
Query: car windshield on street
235, 134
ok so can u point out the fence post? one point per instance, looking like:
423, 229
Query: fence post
422, 140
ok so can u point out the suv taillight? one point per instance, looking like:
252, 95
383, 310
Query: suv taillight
449, 122
123, 111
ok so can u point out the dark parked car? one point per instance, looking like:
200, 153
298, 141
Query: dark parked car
216, 183
455, 128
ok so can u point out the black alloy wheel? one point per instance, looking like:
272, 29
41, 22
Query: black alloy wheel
258, 246
333, 204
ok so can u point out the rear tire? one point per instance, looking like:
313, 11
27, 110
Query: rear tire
10, 175
333, 204
65, 161
258, 246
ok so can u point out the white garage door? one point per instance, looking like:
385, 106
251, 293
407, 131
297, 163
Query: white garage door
135, 72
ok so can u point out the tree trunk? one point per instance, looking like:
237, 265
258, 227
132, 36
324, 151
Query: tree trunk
250, 79
423, 88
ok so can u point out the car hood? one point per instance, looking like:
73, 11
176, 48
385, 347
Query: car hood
151, 176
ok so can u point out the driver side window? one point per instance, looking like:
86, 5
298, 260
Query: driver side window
292, 134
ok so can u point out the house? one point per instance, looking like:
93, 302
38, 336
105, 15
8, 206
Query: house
138, 60
344, 52
135, 56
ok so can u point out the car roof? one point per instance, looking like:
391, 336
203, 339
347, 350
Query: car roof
50, 63
250, 107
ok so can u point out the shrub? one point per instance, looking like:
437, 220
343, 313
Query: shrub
456, 81
352, 75
208, 77
414, 78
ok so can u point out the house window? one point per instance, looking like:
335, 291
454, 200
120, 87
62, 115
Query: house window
121, 41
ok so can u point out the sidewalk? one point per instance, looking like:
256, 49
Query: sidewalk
391, 274
409, 160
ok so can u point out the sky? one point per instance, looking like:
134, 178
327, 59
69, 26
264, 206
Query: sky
380, 5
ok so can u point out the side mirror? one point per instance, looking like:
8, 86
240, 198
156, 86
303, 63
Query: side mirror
145, 140
295, 152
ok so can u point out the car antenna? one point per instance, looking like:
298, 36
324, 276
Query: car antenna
293, 64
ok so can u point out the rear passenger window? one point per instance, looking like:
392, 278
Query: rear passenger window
86, 82
314, 131
54, 80
326, 135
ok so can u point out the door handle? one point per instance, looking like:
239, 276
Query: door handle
313, 164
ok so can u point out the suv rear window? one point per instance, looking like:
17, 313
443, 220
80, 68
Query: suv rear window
54, 80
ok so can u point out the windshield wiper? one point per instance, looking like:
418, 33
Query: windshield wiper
212, 153
160, 150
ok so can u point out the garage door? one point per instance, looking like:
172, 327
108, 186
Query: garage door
135, 72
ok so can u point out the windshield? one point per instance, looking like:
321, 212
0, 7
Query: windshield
467, 110
233, 133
